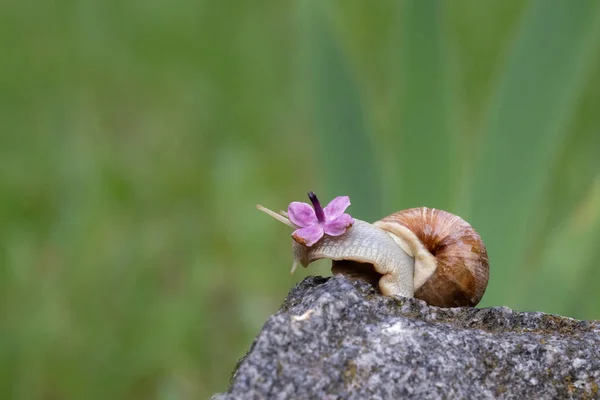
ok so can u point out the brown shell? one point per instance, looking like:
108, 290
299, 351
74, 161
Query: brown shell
462, 272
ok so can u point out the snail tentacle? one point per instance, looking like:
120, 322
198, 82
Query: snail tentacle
283, 218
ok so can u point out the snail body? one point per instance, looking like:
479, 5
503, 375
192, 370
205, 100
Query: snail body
422, 252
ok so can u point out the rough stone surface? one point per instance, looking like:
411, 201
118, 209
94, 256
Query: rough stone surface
339, 339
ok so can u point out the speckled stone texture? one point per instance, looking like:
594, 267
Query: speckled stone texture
334, 338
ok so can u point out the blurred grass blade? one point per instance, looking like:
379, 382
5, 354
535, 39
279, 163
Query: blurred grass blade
424, 145
536, 97
564, 268
583, 302
576, 167
346, 152
571, 175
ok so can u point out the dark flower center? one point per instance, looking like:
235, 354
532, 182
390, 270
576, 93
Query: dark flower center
317, 206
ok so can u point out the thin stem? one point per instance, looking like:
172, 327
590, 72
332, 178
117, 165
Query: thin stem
278, 217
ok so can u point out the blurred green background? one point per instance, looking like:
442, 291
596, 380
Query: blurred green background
138, 136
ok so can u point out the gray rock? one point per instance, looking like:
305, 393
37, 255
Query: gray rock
339, 339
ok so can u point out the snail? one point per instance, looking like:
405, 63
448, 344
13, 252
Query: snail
422, 252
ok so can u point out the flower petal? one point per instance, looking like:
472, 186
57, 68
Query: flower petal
309, 235
301, 214
336, 207
339, 225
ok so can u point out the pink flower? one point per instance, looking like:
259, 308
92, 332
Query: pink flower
314, 223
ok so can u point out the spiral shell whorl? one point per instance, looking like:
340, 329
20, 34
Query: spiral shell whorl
461, 271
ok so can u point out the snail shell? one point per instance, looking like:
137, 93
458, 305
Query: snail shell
451, 263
